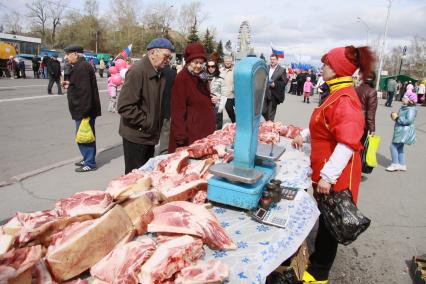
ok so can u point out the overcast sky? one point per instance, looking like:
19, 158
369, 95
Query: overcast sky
304, 29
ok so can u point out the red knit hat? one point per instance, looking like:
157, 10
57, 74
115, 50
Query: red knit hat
194, 50
338, 61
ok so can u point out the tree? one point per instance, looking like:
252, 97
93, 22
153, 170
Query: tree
159, 17
228, 46
38, 12
188, 14
13, 22
56, 9
193, 35
219, 49
91, 7
208, 42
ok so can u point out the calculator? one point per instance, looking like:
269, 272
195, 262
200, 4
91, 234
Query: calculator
289, 193
275, 218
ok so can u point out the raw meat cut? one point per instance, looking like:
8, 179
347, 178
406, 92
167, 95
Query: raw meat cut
169, 258
122, 265
184, 191
187, 218
82, 245
199, 167
6, 242
139, 208
292, 131
94, 202
35, 223
40, 274
120, 188
13, 227
174, 163
16, 261
200, 197
211, 272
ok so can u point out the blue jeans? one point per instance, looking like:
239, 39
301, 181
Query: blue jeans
88, 151
397, 153
45, 73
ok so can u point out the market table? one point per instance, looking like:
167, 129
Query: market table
262, 248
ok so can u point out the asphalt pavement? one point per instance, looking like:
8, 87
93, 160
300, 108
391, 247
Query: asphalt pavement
38, 152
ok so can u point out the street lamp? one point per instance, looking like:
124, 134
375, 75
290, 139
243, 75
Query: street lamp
358, 18
379, 72
404, 52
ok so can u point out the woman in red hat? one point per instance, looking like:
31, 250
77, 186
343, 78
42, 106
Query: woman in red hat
335, 131
192, 108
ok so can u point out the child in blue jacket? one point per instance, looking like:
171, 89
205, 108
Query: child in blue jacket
404, 131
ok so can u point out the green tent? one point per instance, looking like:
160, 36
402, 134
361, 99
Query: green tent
401, 78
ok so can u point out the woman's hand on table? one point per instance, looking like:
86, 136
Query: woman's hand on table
297, 142
323, 187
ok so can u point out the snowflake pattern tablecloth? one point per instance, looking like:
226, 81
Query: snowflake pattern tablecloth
262, 248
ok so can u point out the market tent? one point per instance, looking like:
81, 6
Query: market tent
6, 50
402, 78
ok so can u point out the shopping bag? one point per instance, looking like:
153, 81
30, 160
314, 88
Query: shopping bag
366, 169
342, 218
373, 145
84, 134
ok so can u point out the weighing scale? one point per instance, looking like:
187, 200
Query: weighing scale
241, 182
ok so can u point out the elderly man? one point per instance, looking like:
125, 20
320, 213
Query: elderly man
139, 104
227, 73
83, 101
275, 91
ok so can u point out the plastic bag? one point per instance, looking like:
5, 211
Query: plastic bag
366, 169
373, 145
84, 134
341, 216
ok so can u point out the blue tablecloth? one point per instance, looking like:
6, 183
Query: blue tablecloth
262, 248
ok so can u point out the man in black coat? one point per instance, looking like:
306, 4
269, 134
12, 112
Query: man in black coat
275, 91
54, 69
83, 101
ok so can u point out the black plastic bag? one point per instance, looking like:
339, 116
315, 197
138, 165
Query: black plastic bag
341, 216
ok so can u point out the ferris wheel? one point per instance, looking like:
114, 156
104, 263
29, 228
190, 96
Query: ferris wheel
244, 37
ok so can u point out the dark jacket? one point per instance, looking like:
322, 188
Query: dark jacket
36, 63
277, 93
139, 104
82, 94
192, 111
170, 75
54, 68
368, 98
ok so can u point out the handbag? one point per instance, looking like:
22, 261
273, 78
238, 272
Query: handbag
84, 133
342, 218
366, 169
373, 145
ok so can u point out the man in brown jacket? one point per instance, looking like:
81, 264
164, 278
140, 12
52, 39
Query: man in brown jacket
139, 104
368, 99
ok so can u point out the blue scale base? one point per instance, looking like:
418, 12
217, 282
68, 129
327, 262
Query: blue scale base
240, 195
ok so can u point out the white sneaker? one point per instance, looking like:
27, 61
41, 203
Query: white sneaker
393, 168
402, 168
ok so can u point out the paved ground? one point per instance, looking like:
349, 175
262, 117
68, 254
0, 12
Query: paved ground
394, 201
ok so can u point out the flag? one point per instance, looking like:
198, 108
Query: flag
127, 51
278, 52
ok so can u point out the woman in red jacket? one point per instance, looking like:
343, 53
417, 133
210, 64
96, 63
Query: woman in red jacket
192, 108
335, 131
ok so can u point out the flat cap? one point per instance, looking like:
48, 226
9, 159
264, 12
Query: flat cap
160, 43
73, 48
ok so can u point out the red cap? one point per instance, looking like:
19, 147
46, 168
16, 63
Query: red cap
194, 50
338, 61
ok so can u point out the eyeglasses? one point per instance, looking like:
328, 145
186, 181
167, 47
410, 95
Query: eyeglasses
211, 66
